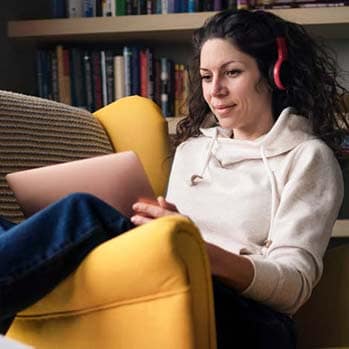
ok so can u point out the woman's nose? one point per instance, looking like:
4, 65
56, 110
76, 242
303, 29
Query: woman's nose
218, 87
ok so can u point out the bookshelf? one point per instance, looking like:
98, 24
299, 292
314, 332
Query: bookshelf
331, 22
163, 30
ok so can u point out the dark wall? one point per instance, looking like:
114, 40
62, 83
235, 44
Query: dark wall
17, 57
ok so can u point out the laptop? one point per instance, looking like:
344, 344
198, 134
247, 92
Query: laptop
119, 179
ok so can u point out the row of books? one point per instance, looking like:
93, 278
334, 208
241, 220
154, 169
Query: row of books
255, 4
93, 8
91, 78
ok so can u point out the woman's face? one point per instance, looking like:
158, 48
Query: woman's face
234, 91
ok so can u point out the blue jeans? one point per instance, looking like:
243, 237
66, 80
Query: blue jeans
40, 252
245, 323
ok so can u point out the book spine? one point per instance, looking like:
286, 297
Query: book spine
120, 8
77, 78
66, 75
151, 78
60, 73
58, 9
104, 79
127, 66
108, 8
217, 5
74, 8
135, 73
97, 81
164, 87
39, 72
119, 77
157, 81
191, 6
109, 62
170, 87
143, 61
171, 6
89, 8
164, 6
150, 7
99, 12
88, 81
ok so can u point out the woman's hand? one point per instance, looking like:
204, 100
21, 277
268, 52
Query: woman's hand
147, 210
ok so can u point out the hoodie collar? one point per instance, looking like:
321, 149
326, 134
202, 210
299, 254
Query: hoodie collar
288, 131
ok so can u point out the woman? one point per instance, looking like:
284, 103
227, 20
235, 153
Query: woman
263, 185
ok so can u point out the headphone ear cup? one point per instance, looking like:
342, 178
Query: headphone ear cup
280, 75
285, 73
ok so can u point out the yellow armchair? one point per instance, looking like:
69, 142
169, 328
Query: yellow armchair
148, 288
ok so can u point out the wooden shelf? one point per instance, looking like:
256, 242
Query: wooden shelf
341, 228
330, 22
172, 123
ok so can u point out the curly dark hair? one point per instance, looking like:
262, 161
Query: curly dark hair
310, 72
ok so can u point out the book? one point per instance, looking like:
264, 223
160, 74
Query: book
135, 71
109, 66
108, 8
96, 78
58, 9
120, 8
164, 84
89, 8
60, 73
39, 72
88, 80
74, 8
143, 62
104, 78
127, 69
119, 77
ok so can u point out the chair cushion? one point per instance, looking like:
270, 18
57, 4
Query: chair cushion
38, 132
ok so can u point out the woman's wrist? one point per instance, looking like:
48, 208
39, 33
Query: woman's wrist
235, 271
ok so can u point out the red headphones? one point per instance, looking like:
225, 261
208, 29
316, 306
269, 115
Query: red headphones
282, 57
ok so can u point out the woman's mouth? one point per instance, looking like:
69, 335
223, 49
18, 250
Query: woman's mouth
223, 109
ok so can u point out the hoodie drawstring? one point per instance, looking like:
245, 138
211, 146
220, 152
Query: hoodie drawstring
272, 181
196, 178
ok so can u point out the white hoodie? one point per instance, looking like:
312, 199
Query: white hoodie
274, 199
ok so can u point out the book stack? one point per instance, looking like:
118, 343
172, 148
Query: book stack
91, 78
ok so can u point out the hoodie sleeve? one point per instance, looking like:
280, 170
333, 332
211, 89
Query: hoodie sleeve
291, 266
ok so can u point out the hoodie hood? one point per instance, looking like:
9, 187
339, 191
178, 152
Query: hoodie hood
289, 131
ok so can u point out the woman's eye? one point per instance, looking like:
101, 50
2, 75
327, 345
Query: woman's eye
205, 77
233, 72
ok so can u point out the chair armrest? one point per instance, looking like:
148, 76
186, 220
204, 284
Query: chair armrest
136, 123
156, 260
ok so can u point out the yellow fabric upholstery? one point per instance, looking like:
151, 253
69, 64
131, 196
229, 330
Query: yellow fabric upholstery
144, 289
136, 123
323, 322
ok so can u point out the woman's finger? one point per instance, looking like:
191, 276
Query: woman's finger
139, 220
165, 204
